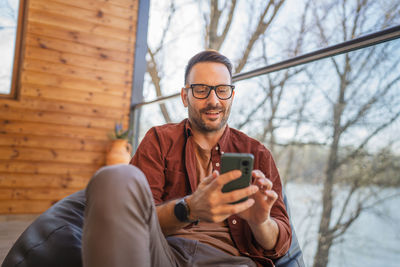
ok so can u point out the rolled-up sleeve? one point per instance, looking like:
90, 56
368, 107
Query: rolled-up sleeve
278, 211
240, 230
148, 158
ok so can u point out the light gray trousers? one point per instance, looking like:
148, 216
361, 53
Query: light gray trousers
121, 227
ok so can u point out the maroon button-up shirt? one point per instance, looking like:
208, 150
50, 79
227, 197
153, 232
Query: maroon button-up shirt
166, 156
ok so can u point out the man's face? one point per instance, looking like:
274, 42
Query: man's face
212, 113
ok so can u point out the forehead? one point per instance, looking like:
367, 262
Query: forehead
211, 73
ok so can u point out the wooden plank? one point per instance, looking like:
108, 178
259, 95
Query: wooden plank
69, 71
80, 61
64, 94
31, 180
33, 141
128, 11
123, 31
124, 3
72, 47
57, 83
35, 193
25, 206
84, 28
51, 155
82, 14
35, 103
11, 166
42, 129
51, 117
91, 39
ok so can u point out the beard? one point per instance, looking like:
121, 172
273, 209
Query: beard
195, 117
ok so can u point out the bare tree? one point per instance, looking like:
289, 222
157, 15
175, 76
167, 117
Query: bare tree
353, 105
268, 107
213, 21
154, 66
215, 18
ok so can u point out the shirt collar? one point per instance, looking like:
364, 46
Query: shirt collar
188, 128
222, 143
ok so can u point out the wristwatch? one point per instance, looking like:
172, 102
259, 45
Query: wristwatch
182, 211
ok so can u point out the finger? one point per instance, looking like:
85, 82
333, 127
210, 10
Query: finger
257, 174
222, 179
229, 209
208, 179
267, 197
263, 184
238, 194
272, 196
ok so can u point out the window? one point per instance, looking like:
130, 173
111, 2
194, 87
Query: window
11, 24
332, 124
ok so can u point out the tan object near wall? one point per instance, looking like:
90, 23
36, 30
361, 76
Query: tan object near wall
119, 152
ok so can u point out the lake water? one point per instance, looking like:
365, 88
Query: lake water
372, 240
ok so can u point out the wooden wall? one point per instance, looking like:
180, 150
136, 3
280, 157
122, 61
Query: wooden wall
75, 83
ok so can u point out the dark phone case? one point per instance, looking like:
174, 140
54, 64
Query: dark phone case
237, 161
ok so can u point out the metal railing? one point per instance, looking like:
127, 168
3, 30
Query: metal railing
337, 49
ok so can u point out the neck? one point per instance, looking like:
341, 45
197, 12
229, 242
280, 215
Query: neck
207, 140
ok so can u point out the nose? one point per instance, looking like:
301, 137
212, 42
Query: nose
213, 98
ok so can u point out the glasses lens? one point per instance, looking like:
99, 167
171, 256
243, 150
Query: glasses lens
224, 91
200, 91
203, 91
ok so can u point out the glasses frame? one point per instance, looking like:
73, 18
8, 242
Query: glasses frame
210, 87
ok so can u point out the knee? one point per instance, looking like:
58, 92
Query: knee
120, 173
115, 180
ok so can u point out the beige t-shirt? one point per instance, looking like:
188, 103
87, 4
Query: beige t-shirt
214, 234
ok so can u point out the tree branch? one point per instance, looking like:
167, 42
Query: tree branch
155, 78
215, 41
260, 29
366, 140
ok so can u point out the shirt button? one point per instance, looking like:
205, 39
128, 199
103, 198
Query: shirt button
222, 152
216, 148
217, 164
234, 221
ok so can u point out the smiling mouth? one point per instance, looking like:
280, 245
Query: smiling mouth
212, 113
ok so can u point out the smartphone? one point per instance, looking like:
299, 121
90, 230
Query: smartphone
237, 161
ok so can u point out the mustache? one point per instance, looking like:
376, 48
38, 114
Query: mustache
211, 107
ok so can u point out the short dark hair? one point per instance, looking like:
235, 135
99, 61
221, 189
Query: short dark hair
208, 56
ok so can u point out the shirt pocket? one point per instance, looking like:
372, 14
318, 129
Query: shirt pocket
175, 185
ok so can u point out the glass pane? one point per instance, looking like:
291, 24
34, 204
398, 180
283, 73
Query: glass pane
334, 124
356, 152
292, 113
8, 32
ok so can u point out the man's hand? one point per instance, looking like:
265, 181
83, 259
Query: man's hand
209, 203
264, 200
264, 228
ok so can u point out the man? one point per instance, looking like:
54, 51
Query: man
192, 223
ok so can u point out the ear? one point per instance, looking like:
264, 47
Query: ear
184, 95
233, 95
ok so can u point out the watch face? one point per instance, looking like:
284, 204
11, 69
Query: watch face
180, 211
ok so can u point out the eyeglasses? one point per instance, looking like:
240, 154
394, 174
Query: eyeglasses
202, 91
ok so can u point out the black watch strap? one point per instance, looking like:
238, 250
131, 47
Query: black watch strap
182, 211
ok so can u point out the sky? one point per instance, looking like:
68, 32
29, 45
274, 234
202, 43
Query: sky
7, 44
